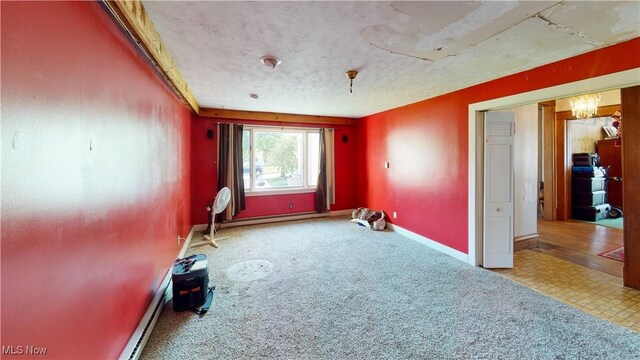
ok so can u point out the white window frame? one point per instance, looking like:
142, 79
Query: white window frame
306, 188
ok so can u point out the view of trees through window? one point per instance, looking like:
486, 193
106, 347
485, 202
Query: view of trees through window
280, 158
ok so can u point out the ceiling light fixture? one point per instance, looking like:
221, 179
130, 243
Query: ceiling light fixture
584, 106
351, 74
270, 61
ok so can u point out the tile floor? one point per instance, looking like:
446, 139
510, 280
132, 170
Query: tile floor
592, 291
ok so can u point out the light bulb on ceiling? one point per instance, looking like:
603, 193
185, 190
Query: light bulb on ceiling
270, 61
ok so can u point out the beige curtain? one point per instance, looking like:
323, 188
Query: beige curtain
325, 190
331, 175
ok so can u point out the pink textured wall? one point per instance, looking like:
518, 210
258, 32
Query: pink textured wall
95, 180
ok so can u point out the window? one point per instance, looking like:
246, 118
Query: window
278, 159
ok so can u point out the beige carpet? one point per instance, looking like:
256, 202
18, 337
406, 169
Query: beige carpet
329, 289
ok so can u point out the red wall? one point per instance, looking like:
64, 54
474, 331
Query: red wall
99, 160
426, 144
204, 167
204, 176
95, 180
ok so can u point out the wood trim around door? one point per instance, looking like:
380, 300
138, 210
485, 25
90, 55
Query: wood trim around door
561, 165
547, 151
631, 184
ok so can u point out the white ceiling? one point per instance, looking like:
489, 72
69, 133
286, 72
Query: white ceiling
404, 51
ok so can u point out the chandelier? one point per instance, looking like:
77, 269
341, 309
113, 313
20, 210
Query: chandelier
584, 106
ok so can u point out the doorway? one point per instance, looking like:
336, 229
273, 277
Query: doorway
584, 194
566, 229
579, 143
475, 215
583, 243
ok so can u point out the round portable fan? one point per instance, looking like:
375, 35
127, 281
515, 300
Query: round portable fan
219, 204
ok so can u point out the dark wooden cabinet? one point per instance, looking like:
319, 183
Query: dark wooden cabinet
611, 156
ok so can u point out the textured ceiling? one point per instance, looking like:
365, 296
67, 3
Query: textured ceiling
404, 51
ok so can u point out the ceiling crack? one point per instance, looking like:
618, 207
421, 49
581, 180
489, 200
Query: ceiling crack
538, 15
569, 30
399, 53
514, 25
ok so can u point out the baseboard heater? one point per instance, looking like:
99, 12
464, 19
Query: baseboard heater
272, 219
286, 217
138, 339
140, 336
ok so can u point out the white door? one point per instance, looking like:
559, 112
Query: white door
497, 249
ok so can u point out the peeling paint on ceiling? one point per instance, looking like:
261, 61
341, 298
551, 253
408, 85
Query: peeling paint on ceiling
446, 32
404, 51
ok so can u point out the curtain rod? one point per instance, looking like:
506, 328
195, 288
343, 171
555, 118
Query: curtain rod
312, 126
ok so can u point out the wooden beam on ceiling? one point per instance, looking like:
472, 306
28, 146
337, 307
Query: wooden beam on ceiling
134, 19
275, 117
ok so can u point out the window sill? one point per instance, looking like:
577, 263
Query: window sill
279, 192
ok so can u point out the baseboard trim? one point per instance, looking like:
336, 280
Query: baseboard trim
196, 231
280, 218
138, 339
525, 237
272, 219
430, 243
341, 212
525, 242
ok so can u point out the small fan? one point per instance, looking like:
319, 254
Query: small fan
219, 204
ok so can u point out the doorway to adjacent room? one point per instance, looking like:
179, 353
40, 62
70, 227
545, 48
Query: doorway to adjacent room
476, 198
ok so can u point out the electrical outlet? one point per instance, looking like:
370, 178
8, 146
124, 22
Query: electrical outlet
180, 238
386, 164
395, 215
290, 205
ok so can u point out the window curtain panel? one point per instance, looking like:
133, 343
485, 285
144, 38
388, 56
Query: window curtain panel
321, 188
230, 168
325, 193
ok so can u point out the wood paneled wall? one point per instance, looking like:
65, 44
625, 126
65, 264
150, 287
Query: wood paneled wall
631, 184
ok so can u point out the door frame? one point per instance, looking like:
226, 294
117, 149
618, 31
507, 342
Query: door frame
476, 121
